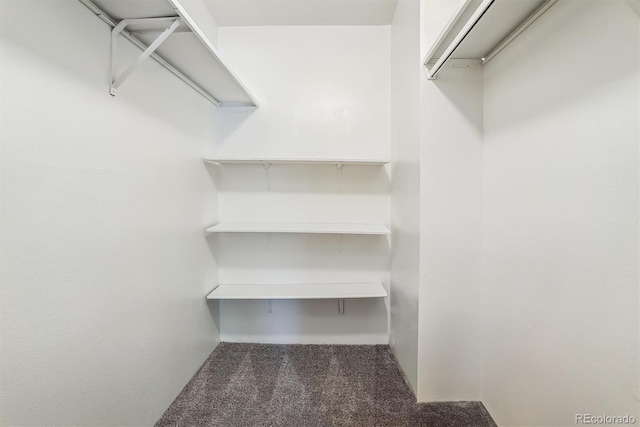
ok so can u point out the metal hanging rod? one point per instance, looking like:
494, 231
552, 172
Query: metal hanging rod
519, 30
468, 27
459, 38
142, 46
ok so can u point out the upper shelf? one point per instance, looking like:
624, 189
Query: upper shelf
481, 29
298, 227
188, 53
281, 161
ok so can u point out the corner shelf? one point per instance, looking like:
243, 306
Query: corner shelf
187, 53
298, 291
481, 29
296, 161
298, 227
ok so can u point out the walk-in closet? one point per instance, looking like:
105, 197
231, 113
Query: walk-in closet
319, 212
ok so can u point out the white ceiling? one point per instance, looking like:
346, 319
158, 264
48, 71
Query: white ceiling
301, 12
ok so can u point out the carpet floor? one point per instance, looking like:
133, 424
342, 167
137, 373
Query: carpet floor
309, 386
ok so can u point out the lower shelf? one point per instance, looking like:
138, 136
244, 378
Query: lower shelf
299, 291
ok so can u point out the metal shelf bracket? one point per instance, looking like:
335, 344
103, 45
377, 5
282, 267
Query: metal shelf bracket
339, 166
267, 167
341, 305
115, 32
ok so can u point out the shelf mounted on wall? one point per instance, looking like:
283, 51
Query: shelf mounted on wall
302, 291
480, 30
267, 162
296, 161
148, 25
299, 228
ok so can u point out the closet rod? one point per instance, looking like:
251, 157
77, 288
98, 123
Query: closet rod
140, 45
471, 23
519, 30
464, 32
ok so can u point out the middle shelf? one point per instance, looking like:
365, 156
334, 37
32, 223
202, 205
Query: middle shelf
299, 291
298, 227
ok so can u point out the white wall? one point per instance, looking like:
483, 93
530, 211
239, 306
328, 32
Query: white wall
405, 186
324, 92
561, 218
102, 208
450, 224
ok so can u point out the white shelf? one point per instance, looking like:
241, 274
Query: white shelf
298, 161
299, 291
481, 29
187, 52
298, 227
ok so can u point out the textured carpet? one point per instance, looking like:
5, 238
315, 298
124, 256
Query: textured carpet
308, 386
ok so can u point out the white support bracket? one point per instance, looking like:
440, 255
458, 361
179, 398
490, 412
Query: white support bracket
270, 309
341, 305
117, 81
339, 166
267, 167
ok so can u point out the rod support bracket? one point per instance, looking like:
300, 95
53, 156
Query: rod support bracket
116, 81
341, 305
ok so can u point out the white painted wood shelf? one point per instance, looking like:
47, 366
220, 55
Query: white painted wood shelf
296, 161
299, 291
298, 227
480, 30
187, 52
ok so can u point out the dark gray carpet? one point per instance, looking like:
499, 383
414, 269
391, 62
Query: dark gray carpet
308, 386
